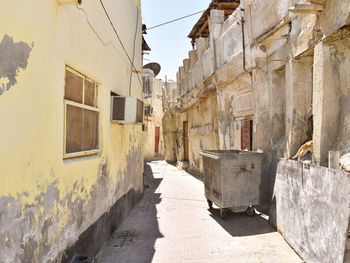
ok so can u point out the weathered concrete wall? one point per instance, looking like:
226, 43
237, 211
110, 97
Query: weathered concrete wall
298, 103
47, 202
235, 103
180, 118
266, 14
312, 207
334, 16
169, 135
203, 131
331, 95
289, 79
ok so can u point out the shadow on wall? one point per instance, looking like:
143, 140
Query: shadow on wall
142, 221
239, 224
151, 159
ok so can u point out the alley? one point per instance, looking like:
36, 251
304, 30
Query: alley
172, 223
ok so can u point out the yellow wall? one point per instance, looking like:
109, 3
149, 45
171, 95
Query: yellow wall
46, 201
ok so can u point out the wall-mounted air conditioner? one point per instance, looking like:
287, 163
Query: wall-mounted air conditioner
126, 110
148, 110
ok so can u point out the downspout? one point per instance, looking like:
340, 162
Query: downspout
243, 45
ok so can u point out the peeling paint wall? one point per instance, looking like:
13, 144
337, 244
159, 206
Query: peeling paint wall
13, 57
46, 201
169, 135
312, 208
289, 79
331, 96
202, 131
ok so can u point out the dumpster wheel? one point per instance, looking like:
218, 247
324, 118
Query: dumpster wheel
250, 211
222, 213
210, 203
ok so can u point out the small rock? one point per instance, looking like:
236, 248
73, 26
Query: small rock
179, 165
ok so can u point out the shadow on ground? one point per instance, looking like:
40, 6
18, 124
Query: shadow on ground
140, 229
236, 224
239, 224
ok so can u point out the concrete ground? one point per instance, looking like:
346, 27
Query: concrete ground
172, 223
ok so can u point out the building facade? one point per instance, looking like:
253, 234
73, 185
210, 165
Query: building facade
68, 174
152, 128
270, 76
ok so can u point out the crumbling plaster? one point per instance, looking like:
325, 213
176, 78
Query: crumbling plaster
47, 202
312, 210
331, 96
289, 79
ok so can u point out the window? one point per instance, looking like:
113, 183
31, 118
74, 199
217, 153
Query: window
146, 86
81, 115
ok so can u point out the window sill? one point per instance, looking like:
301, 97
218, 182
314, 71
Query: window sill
81, 154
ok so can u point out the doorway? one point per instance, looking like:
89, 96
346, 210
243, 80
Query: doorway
185, 135
247, 135
156, 140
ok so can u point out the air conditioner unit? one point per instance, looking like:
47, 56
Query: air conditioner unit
148, 110
126, 110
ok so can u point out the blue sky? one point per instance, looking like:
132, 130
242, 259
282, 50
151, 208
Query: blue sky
169, 43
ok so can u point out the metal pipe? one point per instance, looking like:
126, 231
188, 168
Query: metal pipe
243, 44
69, 2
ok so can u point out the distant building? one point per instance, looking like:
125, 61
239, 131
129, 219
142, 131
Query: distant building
152, 127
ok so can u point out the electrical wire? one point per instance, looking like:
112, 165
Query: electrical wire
177, 19
174, 20
120, 41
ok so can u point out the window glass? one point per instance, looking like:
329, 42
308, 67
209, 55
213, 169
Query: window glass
73, 87
90, 132
89, 93
74, 121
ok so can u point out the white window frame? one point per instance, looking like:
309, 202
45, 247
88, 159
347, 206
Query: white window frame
82, 106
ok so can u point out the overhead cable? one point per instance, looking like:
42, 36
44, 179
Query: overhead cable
120, 41
174, 20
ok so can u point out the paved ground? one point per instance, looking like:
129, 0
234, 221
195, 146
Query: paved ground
172, 223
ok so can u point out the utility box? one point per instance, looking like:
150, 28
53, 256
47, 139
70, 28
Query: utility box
126, 110
232, 179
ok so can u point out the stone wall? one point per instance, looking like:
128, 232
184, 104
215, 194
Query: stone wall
331, 95
281, 64
203, 131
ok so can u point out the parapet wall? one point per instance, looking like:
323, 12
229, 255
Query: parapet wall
312, 208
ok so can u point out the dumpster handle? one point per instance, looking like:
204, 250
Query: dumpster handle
209, 155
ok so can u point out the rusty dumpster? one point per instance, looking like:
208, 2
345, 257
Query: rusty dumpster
232, 179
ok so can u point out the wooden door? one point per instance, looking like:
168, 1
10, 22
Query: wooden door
185, 135
247, 135
156, 140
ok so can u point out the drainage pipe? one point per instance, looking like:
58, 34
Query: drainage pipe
243, 45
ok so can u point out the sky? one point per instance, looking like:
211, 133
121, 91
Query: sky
169, 43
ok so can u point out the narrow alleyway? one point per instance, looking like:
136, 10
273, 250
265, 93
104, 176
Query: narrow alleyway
172, 223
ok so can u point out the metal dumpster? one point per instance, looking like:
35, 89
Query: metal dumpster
232, 179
